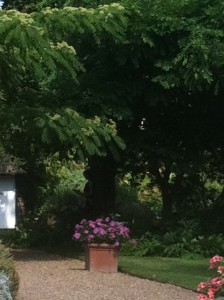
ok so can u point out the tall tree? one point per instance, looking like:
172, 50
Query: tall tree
161, 81
36, 56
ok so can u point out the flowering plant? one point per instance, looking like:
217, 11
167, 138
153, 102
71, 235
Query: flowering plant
101, 230
213, 288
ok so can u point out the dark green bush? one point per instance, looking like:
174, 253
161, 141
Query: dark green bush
61, 203
7, 266
184, 241
137, 203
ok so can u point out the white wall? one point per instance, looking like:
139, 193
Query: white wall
7, 203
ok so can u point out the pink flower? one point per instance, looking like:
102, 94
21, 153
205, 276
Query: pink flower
215, 260
91, 224
211, 294
202, 297
116, 244
99, 220
102, 231
217, 282
96, 230
112, 235
220, 269
202, 285
77, 235
215, 285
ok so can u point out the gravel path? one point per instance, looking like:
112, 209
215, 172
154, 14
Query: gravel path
50, 277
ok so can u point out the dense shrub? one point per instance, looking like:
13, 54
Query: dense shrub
44, 230
8, 272
184, 241
62, 201
58, 209
138, 203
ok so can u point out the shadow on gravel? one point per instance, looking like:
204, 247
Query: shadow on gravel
35, 255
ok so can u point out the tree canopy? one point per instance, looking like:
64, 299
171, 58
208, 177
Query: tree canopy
33, 55
154, 67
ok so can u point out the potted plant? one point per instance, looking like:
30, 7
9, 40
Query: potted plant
103, 238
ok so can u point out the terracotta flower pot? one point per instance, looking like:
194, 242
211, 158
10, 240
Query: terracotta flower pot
101, 258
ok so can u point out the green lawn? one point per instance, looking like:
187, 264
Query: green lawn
182, 272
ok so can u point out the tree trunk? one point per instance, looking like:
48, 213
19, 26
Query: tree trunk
162, 180
167, 201
102, 173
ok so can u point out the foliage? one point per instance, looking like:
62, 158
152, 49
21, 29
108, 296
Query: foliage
4, 287
213, 288
49, 124
40, 57
32, 232
191, 58
101, 230
7, 160
65, 173
140, 187
31, 5
211, 244
62, 198
154, 67
7, 267
164, 121
45, 51
21, 53
183, 241
138, 202
60, 203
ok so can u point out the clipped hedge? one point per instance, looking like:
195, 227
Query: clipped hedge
8, 271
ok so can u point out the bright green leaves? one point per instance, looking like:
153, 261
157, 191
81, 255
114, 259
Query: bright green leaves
201, 52
45, 133
86, 137
187, 41
69, 21
37, 43
38, 49
27, 49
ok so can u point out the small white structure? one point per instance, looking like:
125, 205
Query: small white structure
7, 202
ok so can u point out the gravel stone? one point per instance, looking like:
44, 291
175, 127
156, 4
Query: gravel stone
51, 277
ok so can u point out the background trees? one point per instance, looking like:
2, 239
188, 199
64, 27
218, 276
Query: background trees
154, 68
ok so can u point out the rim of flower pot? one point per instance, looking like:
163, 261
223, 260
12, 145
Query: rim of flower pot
101, 245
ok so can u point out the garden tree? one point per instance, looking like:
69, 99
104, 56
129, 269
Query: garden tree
28, 6
168, 73
31, 63
162, 83
166, 78
35, 121
180, 120
181, 128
